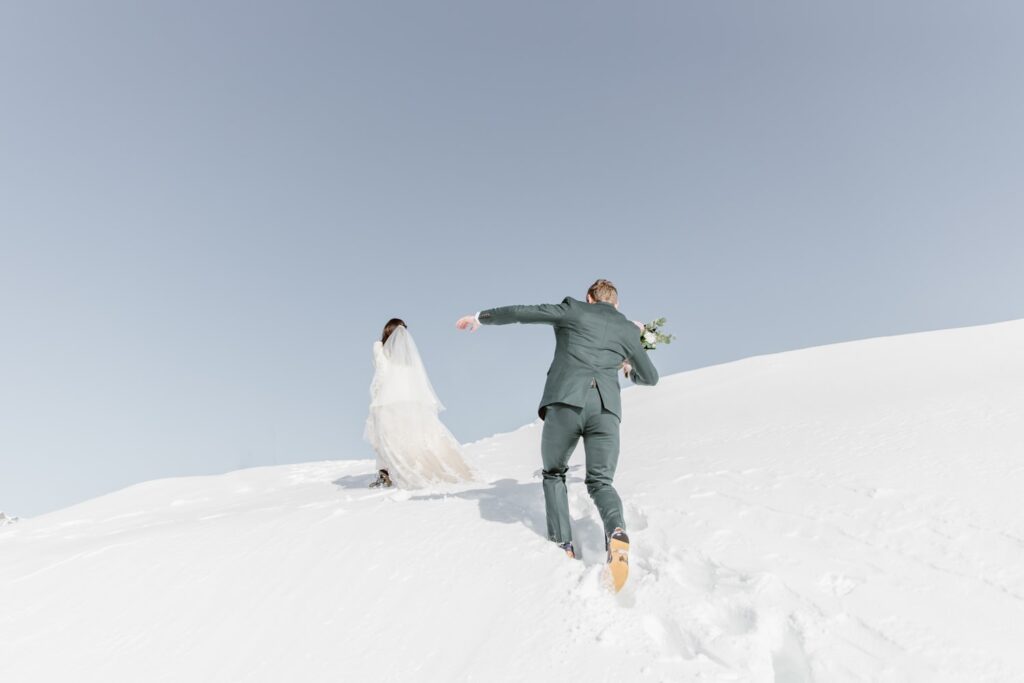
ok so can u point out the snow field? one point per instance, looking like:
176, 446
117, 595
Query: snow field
844, 513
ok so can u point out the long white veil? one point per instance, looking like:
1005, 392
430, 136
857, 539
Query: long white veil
402, 377
403, 425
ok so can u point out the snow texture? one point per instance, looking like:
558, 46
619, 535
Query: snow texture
5, 520
844, 513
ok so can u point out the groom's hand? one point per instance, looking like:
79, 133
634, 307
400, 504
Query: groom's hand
468, 322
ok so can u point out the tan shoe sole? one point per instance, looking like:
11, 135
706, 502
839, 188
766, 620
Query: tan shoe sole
618, 563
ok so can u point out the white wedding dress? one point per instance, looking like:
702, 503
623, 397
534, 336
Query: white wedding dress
411, 442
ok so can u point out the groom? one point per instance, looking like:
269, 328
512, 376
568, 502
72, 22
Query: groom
593, 341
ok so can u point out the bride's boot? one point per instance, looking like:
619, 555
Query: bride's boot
383, 480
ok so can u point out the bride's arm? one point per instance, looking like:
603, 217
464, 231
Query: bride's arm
378, 353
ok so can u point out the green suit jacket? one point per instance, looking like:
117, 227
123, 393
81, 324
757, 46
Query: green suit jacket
591, 341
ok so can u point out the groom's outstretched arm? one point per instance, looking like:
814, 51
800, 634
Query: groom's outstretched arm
548, 314
545, 314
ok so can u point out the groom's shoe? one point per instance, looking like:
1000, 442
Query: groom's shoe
383, 480
618, 558
570, 552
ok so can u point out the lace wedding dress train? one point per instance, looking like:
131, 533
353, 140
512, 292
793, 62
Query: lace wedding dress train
403, 427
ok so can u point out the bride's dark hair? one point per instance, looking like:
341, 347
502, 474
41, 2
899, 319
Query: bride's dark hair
392, 325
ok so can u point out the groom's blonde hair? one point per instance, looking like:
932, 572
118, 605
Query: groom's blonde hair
604, 290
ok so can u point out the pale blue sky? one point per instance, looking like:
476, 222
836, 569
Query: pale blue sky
208, 210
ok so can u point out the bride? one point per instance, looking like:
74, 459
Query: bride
413, 447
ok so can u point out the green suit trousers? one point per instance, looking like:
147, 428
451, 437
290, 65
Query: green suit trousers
563, 427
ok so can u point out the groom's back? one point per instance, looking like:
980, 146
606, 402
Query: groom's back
592, 341
595, 336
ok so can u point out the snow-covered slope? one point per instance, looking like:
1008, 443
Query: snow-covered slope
844, 513
5, 520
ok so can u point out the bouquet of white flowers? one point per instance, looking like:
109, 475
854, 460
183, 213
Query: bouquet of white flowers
651, 334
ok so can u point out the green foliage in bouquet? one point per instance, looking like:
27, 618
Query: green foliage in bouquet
651, 336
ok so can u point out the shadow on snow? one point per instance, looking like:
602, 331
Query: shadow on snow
508, 501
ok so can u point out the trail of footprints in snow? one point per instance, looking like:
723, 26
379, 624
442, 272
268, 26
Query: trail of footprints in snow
682, 612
